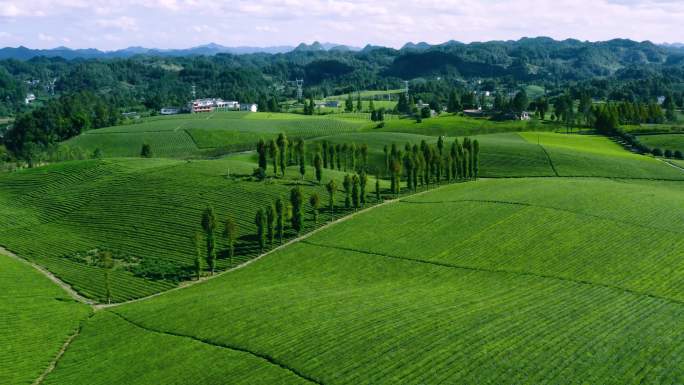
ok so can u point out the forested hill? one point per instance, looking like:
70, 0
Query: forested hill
74, 95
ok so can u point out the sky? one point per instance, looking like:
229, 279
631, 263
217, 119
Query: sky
116, 24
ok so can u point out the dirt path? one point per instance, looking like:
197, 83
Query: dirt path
672, 165
187, 284
59, 355
50, 276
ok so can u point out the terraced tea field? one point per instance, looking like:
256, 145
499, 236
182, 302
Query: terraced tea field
563, 263
500, 281
37, 317
664, 142
186, 136
139, 208
590, 155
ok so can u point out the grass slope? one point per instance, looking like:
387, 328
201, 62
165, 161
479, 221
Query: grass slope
401, 309
590, 155
157, 358
454, 125
664, 142
37, 317
185, 136
143, 208
502, 155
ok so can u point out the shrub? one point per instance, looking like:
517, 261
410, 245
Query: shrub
668, 153
657, 152
678, 155
259, 173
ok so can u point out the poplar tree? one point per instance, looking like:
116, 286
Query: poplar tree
356, 198
230, 233
476, 158
314, 202
352, 155
296, 202
282, 146
197, 243
408, 167
301, 158
261, 150
339, 155
209, 227
325, 153
347, 184
260, 222
363, 150
280, 219
332, 188
270, 223
273, 153
363, 181
331, 156
106, 262
377, 188
387, 159
345, 152
318, 166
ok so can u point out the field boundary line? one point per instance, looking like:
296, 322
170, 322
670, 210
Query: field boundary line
60, 353
265, 357
548, 157
512, 203
672, 165
503, 271
278, 248
65, 286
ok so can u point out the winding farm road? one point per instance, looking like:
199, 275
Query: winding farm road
50, 276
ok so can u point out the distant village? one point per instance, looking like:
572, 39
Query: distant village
211, 105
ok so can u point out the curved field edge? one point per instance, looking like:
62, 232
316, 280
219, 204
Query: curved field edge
38, 317
136, 355
354, 317
348, 318
58, 214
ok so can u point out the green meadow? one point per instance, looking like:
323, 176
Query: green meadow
664, 142
37, 318
561, 264
518, 283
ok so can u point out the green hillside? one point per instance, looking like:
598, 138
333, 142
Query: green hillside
192, 135
590, 155
37, 317
144, 210
522, 281
664, 142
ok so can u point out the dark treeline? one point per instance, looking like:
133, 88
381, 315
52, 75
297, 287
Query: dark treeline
451, 75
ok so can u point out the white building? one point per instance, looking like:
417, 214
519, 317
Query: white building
30, 98
251, 107
169, 111
209, 105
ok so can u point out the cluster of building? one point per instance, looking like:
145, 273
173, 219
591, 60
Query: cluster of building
211, 105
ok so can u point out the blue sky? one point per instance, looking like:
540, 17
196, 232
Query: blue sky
115, 24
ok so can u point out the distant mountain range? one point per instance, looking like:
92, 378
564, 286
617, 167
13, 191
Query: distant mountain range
24, 53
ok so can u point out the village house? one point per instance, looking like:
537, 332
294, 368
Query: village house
169, 111
251, 107
211, 104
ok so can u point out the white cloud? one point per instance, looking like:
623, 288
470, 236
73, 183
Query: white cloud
123, 23
356, 22
46, 38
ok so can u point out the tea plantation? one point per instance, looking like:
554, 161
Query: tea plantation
562, 263
499, 281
